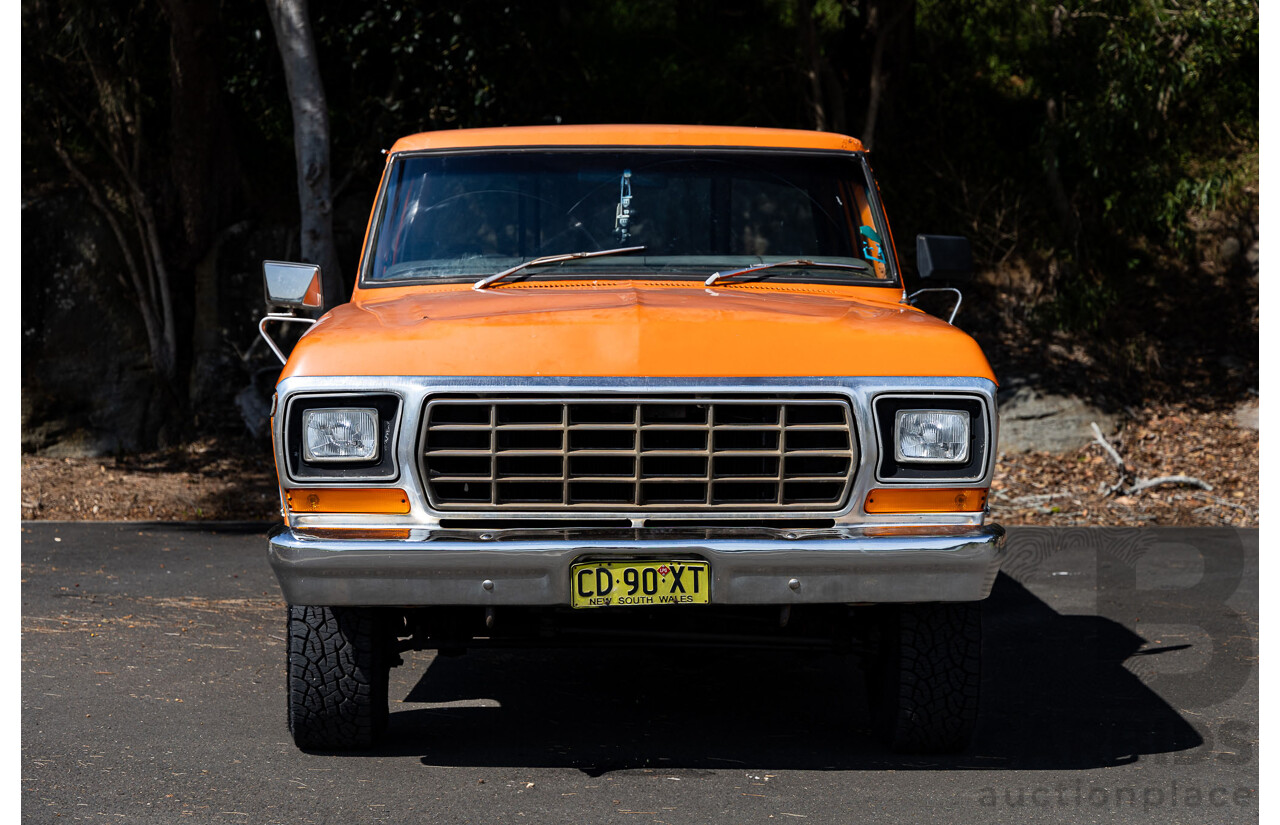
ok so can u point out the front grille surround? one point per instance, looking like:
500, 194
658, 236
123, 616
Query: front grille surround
648, 454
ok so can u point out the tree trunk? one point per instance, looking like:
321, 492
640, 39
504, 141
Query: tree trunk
812, 65
292, 24
881, 25
195, 121
203, 169
1068, 220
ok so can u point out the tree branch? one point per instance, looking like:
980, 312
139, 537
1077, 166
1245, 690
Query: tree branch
1190, 481
131, 263
1111, 451
1124, 487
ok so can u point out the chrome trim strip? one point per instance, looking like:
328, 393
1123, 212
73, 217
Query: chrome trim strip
955, 309
987, 462
285, 401
283, 319
853, 565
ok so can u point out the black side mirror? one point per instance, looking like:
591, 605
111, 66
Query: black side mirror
944, 258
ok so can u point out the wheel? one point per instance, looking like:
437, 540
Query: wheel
337, 683
925, 682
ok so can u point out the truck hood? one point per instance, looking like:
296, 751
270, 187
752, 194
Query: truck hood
634, 328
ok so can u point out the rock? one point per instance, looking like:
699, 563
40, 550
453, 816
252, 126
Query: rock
1033, 421
1232, 362
255, 410
1229, 250
1246, 415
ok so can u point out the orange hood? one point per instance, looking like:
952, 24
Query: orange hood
634, 328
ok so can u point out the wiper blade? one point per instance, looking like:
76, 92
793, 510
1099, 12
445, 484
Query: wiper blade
724, 276
551, 259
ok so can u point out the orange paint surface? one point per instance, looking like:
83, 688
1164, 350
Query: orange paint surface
347, 500
626, 135
634, 328
950, 500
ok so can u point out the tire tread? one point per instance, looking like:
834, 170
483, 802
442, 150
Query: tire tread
932, 676
337, 677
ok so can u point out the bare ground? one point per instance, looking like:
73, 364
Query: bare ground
234, 479
1074, 489
210, 479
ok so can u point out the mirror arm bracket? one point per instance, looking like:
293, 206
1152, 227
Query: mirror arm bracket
959, 298
280, 317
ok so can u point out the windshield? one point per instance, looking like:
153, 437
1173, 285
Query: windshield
460, 217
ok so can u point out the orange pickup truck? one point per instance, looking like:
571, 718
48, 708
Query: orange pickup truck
659, 378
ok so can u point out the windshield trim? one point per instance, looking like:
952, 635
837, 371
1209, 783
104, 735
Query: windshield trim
585, 272
363, 281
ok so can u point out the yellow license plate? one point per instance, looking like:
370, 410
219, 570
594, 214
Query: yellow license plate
640, 583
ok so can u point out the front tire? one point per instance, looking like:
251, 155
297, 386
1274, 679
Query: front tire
338, 664
925, 686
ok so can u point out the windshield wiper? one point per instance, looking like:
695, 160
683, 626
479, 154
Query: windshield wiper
551, 259
723, 276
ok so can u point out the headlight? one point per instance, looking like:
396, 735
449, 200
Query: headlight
344, 434
932, 436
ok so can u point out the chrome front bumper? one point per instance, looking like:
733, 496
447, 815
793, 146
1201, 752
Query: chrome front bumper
748, 566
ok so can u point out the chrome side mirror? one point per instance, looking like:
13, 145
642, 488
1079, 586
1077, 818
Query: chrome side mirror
289, 286
292, 286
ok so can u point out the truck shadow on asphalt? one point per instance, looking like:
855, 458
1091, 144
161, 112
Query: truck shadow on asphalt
1056, 696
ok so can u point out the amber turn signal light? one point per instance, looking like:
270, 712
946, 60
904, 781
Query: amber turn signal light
928, 500
348, 500
349, 533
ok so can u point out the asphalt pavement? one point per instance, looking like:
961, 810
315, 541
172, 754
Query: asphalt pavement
1120, 684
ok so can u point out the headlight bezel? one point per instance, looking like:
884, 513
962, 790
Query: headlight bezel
891, 470
382, 468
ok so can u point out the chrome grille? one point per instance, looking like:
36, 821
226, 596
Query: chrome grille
740, 453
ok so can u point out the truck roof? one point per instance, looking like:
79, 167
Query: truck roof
627, 135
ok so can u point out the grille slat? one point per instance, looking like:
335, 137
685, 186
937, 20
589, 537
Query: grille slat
739, 453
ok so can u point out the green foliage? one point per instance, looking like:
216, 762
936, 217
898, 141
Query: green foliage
1168, 87
1081, 303
1123, 120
